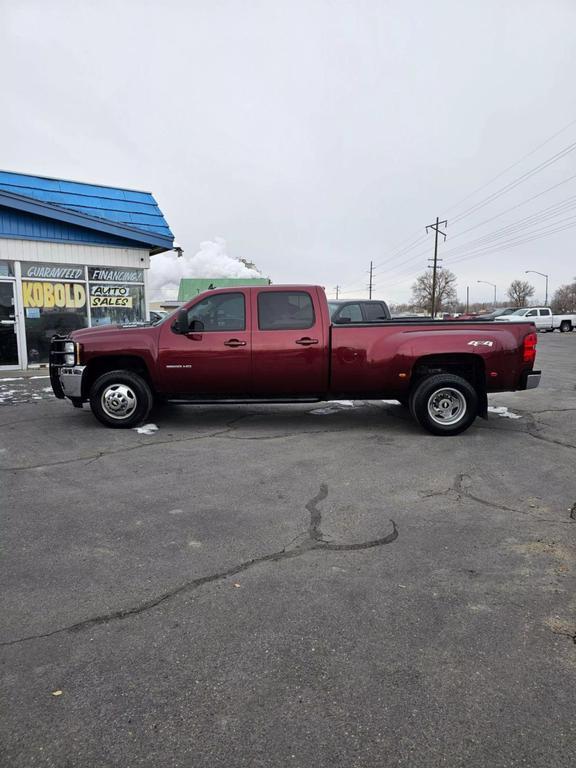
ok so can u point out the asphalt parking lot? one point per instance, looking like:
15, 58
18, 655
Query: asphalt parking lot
290, 586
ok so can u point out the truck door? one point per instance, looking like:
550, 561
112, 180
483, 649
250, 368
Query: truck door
289, 344
214, 357
533, 317
545, 318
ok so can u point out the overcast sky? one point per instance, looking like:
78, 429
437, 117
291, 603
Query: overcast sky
313, 136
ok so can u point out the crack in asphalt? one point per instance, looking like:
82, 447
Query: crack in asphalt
459, 489
224, 432
571, 635
533, 429
312, 543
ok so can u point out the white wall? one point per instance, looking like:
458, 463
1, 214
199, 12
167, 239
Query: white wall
74, 253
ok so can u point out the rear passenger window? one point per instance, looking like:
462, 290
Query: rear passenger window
545, 312
285, 310
375, 312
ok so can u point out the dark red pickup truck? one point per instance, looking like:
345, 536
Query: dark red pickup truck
277, 344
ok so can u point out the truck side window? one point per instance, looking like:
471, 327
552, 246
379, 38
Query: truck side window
221, 312
532, 313
285, 310
351, 311
375, 312
545, 312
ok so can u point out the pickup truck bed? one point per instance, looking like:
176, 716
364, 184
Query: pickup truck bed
277, 344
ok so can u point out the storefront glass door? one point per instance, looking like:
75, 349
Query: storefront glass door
8, 338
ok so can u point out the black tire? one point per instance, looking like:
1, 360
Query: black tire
120, 399
448, 415
565, 326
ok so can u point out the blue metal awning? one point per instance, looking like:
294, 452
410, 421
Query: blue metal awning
123, 213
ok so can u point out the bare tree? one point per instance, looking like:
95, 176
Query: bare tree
445, 290
519, 292
564, 300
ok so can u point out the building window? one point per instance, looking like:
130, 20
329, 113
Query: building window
116, 304
116, 295
50, 308
6, 269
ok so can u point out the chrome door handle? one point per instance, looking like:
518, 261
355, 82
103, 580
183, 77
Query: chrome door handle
306, 341
234, 343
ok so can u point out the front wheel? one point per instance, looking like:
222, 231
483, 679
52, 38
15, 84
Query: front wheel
444, 404
120, 399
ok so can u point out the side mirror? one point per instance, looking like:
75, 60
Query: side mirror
180, 325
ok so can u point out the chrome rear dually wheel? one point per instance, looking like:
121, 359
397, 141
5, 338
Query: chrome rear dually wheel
444, 404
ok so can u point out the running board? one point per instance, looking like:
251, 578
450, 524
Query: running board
242, 401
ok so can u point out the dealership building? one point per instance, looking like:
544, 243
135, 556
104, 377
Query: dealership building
71, 255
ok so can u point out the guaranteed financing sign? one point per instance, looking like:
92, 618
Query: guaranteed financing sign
110, 296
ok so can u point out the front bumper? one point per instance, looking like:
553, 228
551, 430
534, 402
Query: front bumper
71, 381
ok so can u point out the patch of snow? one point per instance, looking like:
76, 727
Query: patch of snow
146, 429
13, 378
47, 389
39, 377
503, 412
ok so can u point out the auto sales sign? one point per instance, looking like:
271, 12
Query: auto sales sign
110, 296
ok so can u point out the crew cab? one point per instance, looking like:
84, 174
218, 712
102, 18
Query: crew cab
542, 317
358, 311
277, 344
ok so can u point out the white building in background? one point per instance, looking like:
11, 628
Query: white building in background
71, 255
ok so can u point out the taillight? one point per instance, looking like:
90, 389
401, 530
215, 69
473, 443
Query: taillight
529, 349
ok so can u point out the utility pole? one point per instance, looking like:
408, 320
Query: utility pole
434, 267
467, 299
370, 284
337, 289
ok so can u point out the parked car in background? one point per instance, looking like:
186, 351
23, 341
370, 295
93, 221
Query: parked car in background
502, 312
542, 318
156, 315
358, 311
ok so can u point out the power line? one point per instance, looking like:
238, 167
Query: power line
527, 222
516, 182
530, 237
402, 250
514, 207
420, 254
514, 165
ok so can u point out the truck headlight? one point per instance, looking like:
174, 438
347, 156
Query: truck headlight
70, 353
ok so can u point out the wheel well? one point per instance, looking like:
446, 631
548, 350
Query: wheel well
100, 365
469, 367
